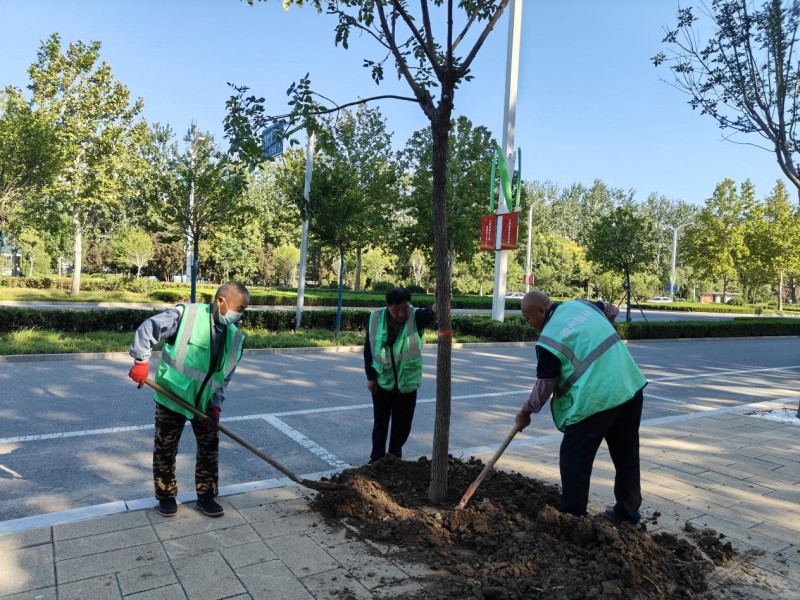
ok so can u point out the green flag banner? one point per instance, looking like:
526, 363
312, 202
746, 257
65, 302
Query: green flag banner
505, 181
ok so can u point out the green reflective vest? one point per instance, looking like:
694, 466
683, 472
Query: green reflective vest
597, 371
398, 366
185, 364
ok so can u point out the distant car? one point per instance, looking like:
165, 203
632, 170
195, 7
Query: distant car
517, 295
660, 299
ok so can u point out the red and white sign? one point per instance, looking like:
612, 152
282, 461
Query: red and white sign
488, 232
508, 236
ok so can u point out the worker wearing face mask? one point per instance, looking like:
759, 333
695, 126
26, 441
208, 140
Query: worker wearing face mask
202, 347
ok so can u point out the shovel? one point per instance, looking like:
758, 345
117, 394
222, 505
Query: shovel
314, 485
474, 486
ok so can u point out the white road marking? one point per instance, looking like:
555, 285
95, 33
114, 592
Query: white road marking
307, 443
310, 411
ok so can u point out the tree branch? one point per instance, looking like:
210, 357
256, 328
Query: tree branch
427, 47
422, 95
463, 32
482, 38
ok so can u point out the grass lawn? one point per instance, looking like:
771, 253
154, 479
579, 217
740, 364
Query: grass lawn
58, 295
40, 341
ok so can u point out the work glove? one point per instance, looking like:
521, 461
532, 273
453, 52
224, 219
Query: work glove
140, 372
213, 417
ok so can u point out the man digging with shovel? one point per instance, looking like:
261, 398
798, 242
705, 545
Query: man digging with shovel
202, 347
597, 395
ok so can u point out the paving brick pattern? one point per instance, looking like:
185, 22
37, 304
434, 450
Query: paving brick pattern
732, 472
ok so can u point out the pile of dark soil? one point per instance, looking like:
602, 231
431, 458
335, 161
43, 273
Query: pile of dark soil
511, 542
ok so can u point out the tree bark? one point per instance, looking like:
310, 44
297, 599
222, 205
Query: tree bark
77, 250
440, 131
357, 285
780, 293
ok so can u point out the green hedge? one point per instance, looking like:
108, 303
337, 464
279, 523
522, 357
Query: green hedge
483, 327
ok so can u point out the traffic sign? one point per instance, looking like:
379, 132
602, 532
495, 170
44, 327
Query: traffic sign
273, 139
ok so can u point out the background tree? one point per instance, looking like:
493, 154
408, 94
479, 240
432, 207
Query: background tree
472, 150
33, 249
715, 246
416, 266
623, 242
212, 181
29, 152
361, 141
97, 134
286, 260
375, 264
744, 75
772, 237
132, 247
169, 257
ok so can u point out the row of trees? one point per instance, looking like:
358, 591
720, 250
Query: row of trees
76, 170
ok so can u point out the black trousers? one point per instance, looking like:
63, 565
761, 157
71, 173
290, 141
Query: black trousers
398, 409
169, 427
619, 427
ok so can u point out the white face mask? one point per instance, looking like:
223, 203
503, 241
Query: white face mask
230, 317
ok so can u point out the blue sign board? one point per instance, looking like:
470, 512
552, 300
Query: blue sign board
273, 139
674, 288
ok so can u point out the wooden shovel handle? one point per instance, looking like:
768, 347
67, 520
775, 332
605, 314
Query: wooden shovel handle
474, 486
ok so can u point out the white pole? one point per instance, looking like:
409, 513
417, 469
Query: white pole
301, 281
674, 254
509, 120
528, 251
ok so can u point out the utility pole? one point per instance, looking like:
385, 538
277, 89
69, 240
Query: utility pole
191, 258
509, 121
301, 282
675, 230
528, 268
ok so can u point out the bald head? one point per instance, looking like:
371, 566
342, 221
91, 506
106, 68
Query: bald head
535, 299
535, 305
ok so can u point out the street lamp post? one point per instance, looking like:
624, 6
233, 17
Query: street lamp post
675, 230
191, 255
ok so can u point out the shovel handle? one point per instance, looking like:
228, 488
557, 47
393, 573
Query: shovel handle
183, 404
478, 480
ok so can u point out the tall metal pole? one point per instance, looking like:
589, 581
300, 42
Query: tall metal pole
301, 282
509, 120
191, 257
674, 254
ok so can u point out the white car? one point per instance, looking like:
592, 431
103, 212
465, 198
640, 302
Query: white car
660, 299
517, 295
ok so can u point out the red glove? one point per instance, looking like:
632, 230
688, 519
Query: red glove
140, 372
213, 417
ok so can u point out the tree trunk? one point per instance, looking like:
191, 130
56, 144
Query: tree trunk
357, 286
440, 131
77, 250
725, 289
628, 296
339, 299
780, 293
195, 263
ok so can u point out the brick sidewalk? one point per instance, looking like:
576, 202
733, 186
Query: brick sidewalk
723, 469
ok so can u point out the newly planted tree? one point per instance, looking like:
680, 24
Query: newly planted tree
433, 68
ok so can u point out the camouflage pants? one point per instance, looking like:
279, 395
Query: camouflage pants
169, 426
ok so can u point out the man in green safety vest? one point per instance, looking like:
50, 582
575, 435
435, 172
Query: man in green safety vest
393, 363
597, 395
202, 347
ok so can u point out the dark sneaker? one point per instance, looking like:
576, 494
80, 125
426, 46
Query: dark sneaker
612, 516
209, 507
167, 507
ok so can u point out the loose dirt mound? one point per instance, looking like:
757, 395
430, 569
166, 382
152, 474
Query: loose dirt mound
510, 541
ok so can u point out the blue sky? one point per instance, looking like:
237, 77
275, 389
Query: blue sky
590, 104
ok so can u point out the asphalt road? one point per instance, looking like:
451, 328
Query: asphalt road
79, 433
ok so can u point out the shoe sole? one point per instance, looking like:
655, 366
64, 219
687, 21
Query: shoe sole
213, 515
172, 514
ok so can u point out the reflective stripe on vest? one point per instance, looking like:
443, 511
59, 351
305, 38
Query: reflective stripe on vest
184, 365
597, 371
408, 345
